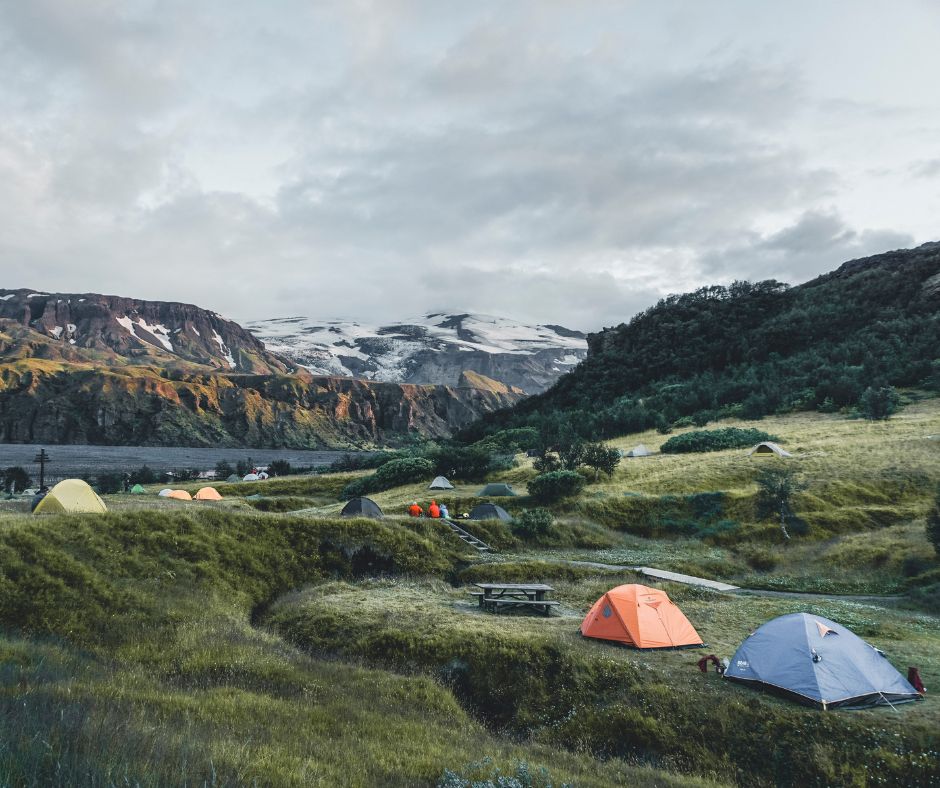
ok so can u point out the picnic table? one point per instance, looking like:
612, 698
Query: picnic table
494, 597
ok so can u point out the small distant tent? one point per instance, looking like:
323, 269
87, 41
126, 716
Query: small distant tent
639, 451
233, 478
72, 496
440, 483
768, 449
818, 662
165, 492
489, 511
250, 477
635, 615
138, 490
180, 495
496, 490
362, 507
208, 494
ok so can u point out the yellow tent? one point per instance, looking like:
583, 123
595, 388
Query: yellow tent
208, 494
71, 495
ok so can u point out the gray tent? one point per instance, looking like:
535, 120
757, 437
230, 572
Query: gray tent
362, 507
233, 478
496, 490
440, 483
639, 451
767, 448
489, 511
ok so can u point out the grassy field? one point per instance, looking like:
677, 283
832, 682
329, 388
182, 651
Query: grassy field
262, 640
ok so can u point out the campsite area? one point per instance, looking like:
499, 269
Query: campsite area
264, 638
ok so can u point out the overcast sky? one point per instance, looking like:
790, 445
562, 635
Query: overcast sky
559, 162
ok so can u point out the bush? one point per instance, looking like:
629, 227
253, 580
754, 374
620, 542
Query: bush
601, 458
366, 461
279, 468
933, 525
16, 478
223, 470
547, 463
534, 522
467, 463
556, 485
511, 441
391, 474
146, 475
878, 404
108, 483
715, 440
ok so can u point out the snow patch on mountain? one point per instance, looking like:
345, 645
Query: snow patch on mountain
433, 348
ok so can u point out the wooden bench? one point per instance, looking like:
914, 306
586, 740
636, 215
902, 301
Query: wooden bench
542, 605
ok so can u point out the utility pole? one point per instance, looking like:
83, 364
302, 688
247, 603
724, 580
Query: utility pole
42, 458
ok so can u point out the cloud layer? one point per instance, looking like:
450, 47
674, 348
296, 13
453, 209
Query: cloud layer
553, 161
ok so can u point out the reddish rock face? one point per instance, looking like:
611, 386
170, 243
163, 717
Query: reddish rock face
108, 370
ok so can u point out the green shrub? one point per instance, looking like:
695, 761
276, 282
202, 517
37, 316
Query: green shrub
715, 440
467, 463
534, 522
394, 473
16, 479
878, 404
279, 468
555, 485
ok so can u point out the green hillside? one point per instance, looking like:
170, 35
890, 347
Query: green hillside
749, 350
174, 642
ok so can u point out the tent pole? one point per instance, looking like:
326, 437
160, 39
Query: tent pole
887, 701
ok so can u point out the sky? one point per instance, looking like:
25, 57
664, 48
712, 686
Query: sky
552, 161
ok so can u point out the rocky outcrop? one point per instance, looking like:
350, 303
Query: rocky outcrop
84, 326
51, 402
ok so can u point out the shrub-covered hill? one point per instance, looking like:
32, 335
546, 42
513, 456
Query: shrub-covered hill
753, 349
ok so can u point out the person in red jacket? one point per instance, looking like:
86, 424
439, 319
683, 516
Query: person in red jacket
414, 510
434, 510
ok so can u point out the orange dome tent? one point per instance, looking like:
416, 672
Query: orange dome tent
208, 494
179, 495
639, 616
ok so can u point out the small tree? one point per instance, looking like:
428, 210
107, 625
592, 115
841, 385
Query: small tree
223, 469
547, 463
243, 467
776, 487
143, 475
572, 456
601, 458
279, 468
879, 404
109, 483
16, 479
933, 524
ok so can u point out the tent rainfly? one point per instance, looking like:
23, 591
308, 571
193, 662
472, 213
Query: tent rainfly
362, 507
768, 449
440, 483
639, 451
820, 663
208, 494
635, 615
70, 496
496, 490
489, 511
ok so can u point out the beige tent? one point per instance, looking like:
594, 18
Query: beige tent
639, 451
769, 449
71, 495
208, 494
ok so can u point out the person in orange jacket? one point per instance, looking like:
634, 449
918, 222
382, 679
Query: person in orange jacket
434, 510
414, 510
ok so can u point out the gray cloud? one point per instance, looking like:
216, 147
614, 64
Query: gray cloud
376, 159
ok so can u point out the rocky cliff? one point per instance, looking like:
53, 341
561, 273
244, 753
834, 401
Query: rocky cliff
89, 326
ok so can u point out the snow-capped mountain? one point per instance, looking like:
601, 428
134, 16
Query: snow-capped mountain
435, 348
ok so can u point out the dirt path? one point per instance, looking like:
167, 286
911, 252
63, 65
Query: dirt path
715, 585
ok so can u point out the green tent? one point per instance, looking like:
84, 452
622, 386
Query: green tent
496, 490
138, 490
